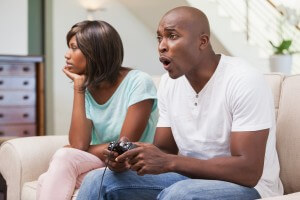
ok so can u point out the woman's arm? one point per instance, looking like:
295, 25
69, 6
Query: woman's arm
135, 122
81, 127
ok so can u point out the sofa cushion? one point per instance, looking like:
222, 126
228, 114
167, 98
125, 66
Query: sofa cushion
294, 196
29, 191
288, 134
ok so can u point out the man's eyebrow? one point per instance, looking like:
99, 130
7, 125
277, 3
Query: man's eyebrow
167, 29
170, 28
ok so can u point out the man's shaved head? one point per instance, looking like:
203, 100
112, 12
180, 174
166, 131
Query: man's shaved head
189, 17
183, 41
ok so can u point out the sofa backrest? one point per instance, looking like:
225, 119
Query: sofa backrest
275, 82
288, 133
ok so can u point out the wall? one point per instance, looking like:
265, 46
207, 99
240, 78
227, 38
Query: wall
139, 43
13, 26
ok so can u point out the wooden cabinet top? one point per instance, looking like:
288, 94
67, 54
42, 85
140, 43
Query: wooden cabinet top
13, 58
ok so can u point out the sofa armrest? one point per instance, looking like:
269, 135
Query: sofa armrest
25, 159
293, 196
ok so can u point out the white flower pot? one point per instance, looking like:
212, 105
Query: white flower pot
281, 63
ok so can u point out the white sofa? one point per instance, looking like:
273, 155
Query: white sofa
22, 160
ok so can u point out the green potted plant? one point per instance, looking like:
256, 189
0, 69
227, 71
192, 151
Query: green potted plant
281, 60
282, 48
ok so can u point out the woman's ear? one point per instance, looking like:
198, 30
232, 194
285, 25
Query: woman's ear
204, 41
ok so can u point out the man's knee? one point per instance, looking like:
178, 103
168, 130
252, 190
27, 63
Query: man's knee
206, 190
175, 191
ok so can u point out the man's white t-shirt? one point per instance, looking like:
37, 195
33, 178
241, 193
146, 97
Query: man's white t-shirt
236, 98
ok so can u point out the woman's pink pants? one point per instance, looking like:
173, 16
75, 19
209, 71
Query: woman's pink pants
65, 174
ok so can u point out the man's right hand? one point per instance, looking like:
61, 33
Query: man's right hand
147, 159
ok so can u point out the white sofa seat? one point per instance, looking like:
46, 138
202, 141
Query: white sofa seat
29, 191
24, 159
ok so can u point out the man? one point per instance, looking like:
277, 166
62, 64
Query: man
215, 138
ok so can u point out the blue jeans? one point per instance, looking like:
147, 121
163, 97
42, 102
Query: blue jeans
168, 186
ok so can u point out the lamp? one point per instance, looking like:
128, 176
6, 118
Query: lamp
91, 6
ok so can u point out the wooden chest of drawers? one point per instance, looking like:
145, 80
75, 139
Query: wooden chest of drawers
21, 96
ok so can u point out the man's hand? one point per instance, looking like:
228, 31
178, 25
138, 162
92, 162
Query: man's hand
146, 159
113, 164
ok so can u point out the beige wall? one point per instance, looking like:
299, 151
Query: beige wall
13, 26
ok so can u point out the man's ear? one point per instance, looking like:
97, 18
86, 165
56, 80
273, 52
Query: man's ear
204, 41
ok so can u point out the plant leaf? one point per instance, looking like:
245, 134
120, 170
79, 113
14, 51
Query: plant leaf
283, 47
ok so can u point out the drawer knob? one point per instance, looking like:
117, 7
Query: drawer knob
25, 115
25, 97
25, 132
25, 83
1, 115
1, 97
1, 82
25, 69
1, 133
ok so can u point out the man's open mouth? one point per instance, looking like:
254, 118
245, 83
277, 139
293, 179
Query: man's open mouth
164, 60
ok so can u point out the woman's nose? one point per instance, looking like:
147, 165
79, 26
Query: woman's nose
67, 54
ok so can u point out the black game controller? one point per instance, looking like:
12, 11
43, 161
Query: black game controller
120, 146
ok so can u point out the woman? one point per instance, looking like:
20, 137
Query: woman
110, 102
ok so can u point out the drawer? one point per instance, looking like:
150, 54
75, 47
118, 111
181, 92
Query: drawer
17, 98
17, 83
17, 69
17, 115
17, 130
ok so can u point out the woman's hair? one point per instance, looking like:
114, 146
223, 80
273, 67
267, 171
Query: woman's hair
102, 46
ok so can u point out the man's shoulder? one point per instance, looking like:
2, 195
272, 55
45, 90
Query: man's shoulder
236, 68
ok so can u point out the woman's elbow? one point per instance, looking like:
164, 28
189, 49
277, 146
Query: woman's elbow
79, 145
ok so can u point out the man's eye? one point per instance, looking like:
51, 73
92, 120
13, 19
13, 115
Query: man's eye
159, 38
172, 36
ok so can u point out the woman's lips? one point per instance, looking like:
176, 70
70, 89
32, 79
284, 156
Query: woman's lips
69, 65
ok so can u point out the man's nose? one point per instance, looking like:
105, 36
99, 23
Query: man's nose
162, 46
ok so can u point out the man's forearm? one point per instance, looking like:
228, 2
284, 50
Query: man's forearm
232, 169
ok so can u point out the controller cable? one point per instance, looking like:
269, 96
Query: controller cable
106, 165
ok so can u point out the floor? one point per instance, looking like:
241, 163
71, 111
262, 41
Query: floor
1, 196
2, 188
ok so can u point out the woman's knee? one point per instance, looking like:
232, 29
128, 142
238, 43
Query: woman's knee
63, 159
64, 154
